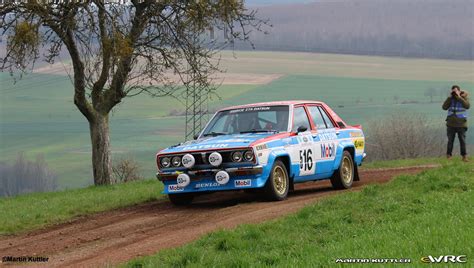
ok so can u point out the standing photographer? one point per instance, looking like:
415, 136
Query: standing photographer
456, 122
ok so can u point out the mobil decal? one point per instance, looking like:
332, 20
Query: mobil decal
328, 150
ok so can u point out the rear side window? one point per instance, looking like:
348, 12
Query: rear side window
328, 121
300, 119
317, 117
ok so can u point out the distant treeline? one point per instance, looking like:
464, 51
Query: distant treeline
415, 28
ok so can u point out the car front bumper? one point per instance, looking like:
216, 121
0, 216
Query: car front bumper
204, 180
198, 174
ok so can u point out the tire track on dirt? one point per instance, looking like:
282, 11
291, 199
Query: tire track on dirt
116, 236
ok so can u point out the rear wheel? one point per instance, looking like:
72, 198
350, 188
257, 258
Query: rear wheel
181, 199
344, 175
278, 183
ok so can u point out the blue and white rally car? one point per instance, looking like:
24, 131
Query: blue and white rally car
270, 146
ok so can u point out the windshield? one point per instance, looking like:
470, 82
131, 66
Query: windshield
249, 120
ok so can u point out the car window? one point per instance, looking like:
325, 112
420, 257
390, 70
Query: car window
300, 119
264, 118
220, 125
317, 117
326, 118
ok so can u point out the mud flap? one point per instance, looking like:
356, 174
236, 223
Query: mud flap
292, 185
356, 175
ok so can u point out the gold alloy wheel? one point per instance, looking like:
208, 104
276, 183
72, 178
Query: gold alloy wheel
347, 168
279, 180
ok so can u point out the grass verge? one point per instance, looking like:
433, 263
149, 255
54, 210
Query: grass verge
406, 163
31, 211
410, 217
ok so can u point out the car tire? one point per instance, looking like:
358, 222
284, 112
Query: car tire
278, 183
344, 175
181, 199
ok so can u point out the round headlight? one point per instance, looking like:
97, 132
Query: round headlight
165, 162
176, 161
248, 156
237, 156
215, 159
188, 161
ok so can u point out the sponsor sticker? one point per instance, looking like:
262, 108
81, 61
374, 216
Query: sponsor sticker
305, 139
175, 188
328, 150
327, 136
356, 134
261, 147
207, 185
359, 144
250, 109
243, 183
206, 146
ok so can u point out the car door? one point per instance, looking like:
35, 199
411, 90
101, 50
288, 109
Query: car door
303, 146
325, 139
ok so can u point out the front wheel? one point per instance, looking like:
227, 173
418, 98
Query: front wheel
181, 199
344, 175
278, 183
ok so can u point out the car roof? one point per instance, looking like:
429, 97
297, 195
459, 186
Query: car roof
271, 103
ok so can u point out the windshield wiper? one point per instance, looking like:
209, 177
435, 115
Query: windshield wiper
214, 134
259, 130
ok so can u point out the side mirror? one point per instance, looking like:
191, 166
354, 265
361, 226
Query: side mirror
196, 136
301, 129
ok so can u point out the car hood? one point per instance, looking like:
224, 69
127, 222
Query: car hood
217, 142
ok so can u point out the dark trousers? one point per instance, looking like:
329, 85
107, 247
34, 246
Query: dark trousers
461, 131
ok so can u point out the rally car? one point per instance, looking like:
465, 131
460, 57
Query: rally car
267, 146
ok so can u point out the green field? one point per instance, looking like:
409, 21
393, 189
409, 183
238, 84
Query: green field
412, 216
37, 115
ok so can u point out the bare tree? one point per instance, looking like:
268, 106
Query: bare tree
122, 50
430, 92
396, 98
443, 92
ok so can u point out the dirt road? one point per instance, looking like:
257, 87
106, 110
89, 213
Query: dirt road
117, 236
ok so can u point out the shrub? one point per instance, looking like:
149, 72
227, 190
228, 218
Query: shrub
402, 136
125, 170
25, 176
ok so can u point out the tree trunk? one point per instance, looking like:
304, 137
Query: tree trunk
101, 158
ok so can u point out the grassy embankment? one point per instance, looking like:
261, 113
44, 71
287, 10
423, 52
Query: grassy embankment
410, 217
31, 211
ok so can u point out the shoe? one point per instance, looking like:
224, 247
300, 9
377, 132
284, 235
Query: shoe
464, 159
449, 157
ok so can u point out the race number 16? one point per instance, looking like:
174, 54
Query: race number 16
306, 160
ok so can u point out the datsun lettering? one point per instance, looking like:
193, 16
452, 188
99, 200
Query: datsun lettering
266, 147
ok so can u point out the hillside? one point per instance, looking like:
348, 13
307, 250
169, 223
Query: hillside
357, 87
